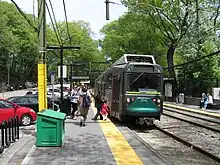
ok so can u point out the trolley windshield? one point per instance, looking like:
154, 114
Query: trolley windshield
139, 82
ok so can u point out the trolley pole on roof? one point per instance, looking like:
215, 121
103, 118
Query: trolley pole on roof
42, 69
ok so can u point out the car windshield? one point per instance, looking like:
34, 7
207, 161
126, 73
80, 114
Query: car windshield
11, 99
143, 82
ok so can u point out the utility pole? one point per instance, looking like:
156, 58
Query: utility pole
107, 9
197, 27
42, 69
61, 74
107, 2
71, 75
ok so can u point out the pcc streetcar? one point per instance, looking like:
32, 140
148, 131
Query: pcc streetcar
133, 88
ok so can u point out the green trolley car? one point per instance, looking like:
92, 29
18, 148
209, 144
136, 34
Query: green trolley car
133, 88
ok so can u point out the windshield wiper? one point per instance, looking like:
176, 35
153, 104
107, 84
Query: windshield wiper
136, 79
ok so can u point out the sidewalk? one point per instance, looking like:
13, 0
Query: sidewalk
75, 150
192, 107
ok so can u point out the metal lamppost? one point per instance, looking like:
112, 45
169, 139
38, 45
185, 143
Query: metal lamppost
9, 66
61, 48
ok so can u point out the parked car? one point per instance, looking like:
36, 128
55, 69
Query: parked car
32, 93
30, 84
31, 101
8, 109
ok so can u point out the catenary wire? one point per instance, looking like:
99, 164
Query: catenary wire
55, 21
67, 27
53, 25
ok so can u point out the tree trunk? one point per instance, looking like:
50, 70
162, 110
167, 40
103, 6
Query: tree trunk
171, 70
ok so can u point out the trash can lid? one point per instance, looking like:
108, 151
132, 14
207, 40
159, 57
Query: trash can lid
52, 114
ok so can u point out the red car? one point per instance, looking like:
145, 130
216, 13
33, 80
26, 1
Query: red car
9, 109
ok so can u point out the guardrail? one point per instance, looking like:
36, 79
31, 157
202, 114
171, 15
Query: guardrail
9, 133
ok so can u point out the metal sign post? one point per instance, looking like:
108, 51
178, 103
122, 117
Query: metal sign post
52, 76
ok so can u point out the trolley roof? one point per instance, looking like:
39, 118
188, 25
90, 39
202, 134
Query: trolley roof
127, 58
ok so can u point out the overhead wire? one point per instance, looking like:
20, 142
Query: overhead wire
193, 61
58, 31
25, 17
53, 25
67, 27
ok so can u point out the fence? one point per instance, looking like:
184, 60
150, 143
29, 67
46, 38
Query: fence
9, 131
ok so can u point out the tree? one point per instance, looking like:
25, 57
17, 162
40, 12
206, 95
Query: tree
18, 48
131, 33
172, 18
80, 35
19, 45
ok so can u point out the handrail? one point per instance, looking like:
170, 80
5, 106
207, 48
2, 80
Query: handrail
9, 132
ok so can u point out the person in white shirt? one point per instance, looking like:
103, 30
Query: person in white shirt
74, 102
210, 99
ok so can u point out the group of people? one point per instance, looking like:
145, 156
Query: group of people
81, 101
205, 100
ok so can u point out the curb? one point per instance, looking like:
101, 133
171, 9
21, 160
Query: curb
27, 158
193, 110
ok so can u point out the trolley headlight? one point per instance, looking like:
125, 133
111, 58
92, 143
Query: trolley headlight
158, 101
128, 100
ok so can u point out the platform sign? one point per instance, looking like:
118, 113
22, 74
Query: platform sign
64, 71
216, 93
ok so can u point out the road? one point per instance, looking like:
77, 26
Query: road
15, 93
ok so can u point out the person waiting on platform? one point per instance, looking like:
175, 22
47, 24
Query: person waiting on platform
204, 101
98, 104
210, 99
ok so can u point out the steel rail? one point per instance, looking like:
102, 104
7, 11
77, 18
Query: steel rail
194, 123
214, 157
183, 112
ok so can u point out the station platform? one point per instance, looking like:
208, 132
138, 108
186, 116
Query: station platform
98, 143
193, 108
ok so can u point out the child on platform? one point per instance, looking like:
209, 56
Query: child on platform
104, 110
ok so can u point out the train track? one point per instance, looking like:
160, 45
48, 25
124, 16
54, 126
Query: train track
132, 128
212, 124
199, 124
202, 130
189, 144
129, 128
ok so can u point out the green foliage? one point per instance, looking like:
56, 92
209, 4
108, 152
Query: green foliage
131, 33
80, 35
19, 45
156, 27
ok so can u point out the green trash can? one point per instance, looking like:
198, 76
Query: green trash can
50, 128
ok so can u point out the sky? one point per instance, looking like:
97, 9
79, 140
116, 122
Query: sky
91, 11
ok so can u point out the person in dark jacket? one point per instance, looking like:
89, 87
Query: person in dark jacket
98, 105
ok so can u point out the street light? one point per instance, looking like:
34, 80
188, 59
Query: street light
9, 65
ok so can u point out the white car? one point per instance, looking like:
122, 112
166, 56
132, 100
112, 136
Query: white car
57, 92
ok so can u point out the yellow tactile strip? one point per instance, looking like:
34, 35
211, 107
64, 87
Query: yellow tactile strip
121, 150
193, 110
